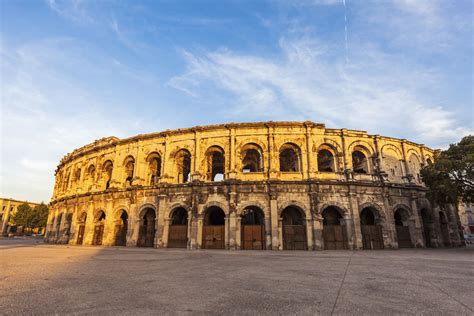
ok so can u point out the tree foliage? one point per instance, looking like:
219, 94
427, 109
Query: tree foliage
28, 217
450, 178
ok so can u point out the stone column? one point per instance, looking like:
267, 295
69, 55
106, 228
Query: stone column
227, 232
280, 234
268, 232
133, 227
276, 240
161, 223
238, 232
318, 232
309, 233
418, 233
166, 230
356, 236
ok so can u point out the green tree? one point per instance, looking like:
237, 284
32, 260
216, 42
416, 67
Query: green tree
450, 179
23, 215
40, 216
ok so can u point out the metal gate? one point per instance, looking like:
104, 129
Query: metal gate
253, 237
80, 234
120, 235
178, 236
294, 237
372, 237
403, 236
213, 237
98, 235
147, 236
335, 237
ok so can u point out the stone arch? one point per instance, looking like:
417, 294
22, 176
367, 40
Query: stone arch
290, 158
99, 224
296, 204
214, 227
293, 219
178, 227
154, 166
251, 158
371, 219
361, 160
363, 145
214, 160
215, 204
175, 206
147, 226
143, 207
182, 165
335, 146
404, 207
129, 165
327, 158
392, 162
252, 224
244, 205
121, 221
90, 172
335, 234
107, 168
391, 147
414, 162
342, 209
379, 212
404, 226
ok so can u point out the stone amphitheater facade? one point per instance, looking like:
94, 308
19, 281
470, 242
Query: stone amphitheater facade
267, 185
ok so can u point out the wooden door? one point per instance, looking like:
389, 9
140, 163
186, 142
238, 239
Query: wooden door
80, 234
445, 234
294, 237
253, 237
403, 237
178, 236
372, 237
213, 237
98, 235
335, 237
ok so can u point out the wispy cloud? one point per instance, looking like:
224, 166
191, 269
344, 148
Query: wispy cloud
74, 10
379, 92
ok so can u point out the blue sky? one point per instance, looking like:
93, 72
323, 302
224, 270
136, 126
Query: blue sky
76, 71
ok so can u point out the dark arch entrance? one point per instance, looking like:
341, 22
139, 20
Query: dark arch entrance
99, 229
401, 217
334, 230
81, 229
427, 225
213, 235
121, 227
372, 237
294, 229
253, 229
147, 230
178, 230
443, 223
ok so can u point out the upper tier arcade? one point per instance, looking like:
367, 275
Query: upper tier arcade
286, 151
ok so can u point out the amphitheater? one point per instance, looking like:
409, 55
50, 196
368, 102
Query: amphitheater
267, 185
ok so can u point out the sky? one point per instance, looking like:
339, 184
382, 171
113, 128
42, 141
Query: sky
75, 71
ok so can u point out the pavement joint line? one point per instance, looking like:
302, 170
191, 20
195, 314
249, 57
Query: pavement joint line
342, 283
447, 294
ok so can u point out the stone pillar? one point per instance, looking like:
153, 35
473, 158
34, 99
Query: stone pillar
133, 227
232, 231
226, 231
418, 233
200, 224
356, 236
276, 240
161, 223
309, 233
391, 241
280, 234
268, 232
166, 231
238, 232
350, 232
318, 232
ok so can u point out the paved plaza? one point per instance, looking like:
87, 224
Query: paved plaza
48, 279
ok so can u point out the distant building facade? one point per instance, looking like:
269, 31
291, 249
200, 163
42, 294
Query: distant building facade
8, 208
268, 185
467, 217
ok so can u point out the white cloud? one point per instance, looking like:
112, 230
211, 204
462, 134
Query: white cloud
379, 93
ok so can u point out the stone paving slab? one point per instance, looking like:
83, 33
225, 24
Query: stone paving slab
50, 279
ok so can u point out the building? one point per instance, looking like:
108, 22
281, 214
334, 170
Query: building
8, 208
268, 185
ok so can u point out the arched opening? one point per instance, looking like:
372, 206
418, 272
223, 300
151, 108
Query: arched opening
147, 230
81, 228
443, 223
253, 229
213, 236
360, 164
129, 170
334, 229
372, 237
326, 161
402, 217
290, 158
107, 169
99, 228
294, 229
154, 168
121, 228
415, 166
183, 166
77, 175
178, 230
68, 225
427, 226
91, 173
215, 164
252, 160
